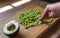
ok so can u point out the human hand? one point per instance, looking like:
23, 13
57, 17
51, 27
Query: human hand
52, 10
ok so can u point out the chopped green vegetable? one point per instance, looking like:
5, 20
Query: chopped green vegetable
30, 17
48, 20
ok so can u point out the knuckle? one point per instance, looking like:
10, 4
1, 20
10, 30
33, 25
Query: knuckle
47, 5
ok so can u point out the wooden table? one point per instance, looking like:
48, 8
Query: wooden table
32, 32
11, 17
53, 32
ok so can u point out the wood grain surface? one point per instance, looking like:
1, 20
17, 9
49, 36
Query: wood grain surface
32, 32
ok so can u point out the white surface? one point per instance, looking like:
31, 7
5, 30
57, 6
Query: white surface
5, 8
20, 3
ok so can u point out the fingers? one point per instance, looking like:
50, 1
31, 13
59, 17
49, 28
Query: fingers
51, 14
45, 14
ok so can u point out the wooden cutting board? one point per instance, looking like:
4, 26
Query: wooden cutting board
32, 32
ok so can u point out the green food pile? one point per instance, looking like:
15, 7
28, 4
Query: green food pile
30, 18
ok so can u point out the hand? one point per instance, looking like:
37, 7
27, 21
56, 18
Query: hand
52, 10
